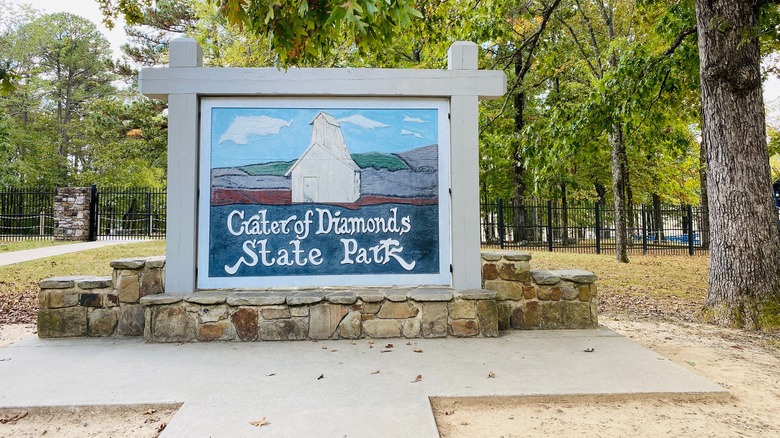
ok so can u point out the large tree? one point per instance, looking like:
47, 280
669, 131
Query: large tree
744, 280
74, 57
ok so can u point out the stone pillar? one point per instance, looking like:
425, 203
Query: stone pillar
71, 213
538, 299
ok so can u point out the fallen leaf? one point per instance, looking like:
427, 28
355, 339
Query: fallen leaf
150, 411
385, 351
333, 351
162, 427
324, 347
491, 375
417, 350
738, 347
260, 423
370, 346
408, 343
389, 346
589, 350
449, 412
464, 423
417, 379
270, 375
322, 376
375, 372
151, 420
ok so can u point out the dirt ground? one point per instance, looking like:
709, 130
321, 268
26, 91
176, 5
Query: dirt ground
86, 421
747, 364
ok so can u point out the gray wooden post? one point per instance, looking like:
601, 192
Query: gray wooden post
464, 168
182, 217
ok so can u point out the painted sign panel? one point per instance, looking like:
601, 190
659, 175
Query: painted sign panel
324, 192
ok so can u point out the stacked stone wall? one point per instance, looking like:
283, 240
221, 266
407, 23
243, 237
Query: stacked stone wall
99, 306
131, 302
537, 299
71, 213
319, 314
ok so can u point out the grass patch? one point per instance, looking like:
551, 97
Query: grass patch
21, 245
378, 161
276, 168
19, 284
649, 286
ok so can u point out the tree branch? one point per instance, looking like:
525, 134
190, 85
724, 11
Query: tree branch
596, 72
681, 36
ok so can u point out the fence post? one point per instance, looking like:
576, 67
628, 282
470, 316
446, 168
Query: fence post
501, 230
644, 229
549, 227
689, 210
598, 228
41, 223
93, 220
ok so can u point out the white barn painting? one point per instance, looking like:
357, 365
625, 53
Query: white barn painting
325, 172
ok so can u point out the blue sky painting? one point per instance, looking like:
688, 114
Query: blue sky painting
243, 136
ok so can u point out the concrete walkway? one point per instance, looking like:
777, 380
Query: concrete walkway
225, 386
10, 258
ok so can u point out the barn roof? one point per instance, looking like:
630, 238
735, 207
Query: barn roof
327, 118
350, 163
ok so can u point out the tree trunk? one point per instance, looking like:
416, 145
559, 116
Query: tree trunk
744, 280
658, 220
518, 173
704, 216
630, 219
619, 166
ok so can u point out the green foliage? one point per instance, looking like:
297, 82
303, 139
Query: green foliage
7, 78
378, 160
276, 168
590, 71
65, 123
7, 176
299, 31
125, 139
148, 38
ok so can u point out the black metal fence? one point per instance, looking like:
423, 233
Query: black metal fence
128, 213
26, 213
589, 227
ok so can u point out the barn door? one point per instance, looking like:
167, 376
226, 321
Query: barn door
310, 185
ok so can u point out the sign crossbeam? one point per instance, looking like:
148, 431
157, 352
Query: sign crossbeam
160, 82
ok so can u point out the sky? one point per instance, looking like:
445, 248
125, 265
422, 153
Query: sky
241, 136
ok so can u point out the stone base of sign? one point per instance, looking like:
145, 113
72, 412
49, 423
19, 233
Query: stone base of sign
537, 299
131, 302
318, 314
